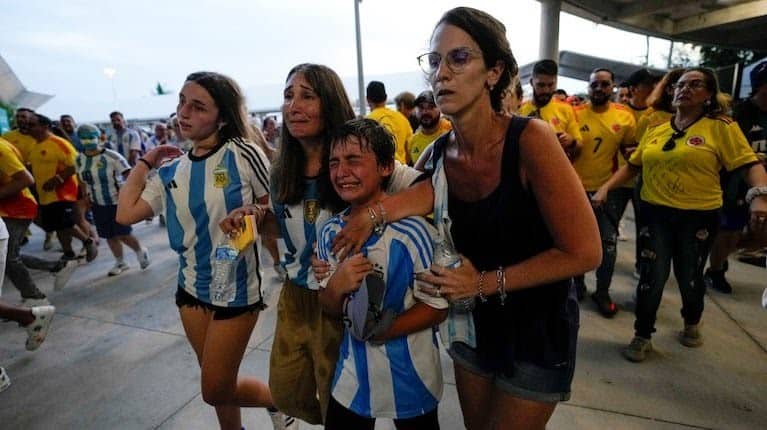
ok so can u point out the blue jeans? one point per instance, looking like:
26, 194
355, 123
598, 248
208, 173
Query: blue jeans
626, 195
608, 215
684, 237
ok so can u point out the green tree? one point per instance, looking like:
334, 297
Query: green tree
717, 56
159, 90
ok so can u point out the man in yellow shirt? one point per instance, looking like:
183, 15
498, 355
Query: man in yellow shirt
393, 121
19, 136
52, 160
557, 113
431, 126
607, 129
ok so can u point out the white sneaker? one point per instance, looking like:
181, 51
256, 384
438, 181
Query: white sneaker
143, 258
38, 329
61, 278
280, 421
117, 269
5, 381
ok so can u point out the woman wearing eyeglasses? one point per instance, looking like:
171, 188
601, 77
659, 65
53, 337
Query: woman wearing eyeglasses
680, 161
517, 214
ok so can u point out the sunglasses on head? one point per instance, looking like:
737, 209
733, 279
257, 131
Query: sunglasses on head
671, 143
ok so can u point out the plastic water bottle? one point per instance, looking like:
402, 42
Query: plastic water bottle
224, 263
446, 256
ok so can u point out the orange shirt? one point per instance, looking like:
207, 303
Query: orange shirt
23, 204
48, 158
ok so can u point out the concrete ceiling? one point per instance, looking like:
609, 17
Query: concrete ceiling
13, 92
730, 23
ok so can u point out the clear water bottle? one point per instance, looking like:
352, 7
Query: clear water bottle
446, 256
225, 260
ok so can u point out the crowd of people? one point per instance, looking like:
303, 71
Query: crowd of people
466, 213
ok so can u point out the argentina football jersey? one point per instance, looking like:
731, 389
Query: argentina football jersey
403, 377
103, 174
197, 193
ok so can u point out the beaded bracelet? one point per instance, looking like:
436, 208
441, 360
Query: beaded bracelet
500, 279
481, 294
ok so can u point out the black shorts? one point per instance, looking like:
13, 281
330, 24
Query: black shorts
57, 216
106, 225
219, 312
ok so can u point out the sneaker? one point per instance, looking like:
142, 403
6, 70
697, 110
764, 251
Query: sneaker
637, 350
31, 302
62, 276
690, 336
38, 329
715, 279
91, 250
605, 304
143, 258
117, 269
621, 235
5, 380
48, 243
280, 421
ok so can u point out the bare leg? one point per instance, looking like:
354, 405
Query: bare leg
131, 241
726, 243
116, 247
512, 413
19, 314
475, 395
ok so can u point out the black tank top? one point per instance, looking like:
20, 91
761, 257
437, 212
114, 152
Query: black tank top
536, 324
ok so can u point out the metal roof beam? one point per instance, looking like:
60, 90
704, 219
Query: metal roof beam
728, 15
644, 8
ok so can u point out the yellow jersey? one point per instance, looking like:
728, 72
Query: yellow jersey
603, 136
22, 205
687, 176
560, 115
419, 142
398, 126
47, 159
22, 142
651, 117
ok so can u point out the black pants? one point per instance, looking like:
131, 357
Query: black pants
340, 418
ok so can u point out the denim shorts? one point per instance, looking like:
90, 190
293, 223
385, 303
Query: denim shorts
528, 381
219, 312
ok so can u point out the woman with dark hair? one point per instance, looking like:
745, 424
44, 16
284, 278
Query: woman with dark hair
517, 214
222, 171
659, 102
680, 161
306, 340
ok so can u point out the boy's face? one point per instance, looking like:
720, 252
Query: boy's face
355, 172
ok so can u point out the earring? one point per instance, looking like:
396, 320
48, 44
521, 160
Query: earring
489, 86
707, 103
221, 125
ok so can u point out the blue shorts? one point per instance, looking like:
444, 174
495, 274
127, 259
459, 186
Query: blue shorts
528, 381
734, 219
106, 225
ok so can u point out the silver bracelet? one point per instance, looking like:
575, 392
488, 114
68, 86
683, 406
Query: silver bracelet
500, 279
755, 192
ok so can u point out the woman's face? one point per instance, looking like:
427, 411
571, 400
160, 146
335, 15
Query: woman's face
460, 81
197, 112
691, 90
301, 108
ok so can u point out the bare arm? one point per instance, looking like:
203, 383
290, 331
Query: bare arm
626, 172
19, 180
419, 317
415, 200
131, 207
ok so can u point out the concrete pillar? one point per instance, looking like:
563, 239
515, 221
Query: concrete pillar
549, 44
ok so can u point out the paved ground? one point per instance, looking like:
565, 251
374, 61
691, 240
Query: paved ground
117, 358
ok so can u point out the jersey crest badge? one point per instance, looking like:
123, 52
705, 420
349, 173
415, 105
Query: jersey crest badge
311, 210
695, 141
616, 128
220, 177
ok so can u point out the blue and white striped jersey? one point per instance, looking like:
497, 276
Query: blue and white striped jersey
103, 173
403, 377
299, 223
197, 193
124, 141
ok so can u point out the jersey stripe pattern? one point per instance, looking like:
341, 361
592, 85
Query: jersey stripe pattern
103, 174
197, 193
403, 377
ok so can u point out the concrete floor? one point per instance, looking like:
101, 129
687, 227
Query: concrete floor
116, 357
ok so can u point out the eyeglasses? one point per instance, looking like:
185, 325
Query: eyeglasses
456, 59
671, 144
695, 84
600, 84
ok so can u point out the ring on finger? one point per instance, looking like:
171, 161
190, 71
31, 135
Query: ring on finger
439, 290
